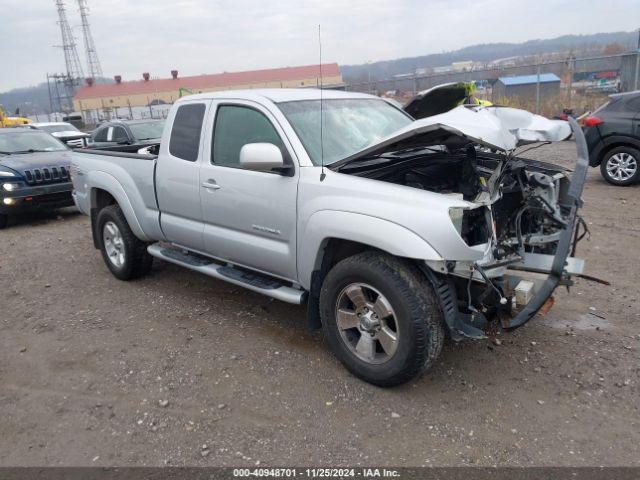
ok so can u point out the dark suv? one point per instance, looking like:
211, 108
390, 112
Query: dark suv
34, 172
127, 135
613, 138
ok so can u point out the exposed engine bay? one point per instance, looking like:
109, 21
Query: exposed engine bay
526, 198
524, 217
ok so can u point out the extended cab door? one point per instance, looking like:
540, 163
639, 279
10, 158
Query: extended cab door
178, 175
249, 216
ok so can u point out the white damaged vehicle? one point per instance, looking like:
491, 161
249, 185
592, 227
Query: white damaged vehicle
395, 230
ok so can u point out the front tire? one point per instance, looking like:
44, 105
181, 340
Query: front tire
3, 221
124, 254
621, 166
381, 319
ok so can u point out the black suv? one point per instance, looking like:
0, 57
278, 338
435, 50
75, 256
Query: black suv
127, 135
613, 138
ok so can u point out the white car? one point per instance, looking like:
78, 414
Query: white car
65, 132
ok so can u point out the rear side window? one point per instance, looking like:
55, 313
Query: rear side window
120, 134
101, 135
185, 133
235, 127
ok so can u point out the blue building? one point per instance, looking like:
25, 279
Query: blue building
524, 86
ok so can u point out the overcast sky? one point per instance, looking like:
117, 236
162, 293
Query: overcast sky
211, 36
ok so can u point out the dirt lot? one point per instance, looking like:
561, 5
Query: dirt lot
181, 369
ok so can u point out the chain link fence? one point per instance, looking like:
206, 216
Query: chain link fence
581, 78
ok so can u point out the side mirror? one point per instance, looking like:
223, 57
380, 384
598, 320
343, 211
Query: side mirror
263, 157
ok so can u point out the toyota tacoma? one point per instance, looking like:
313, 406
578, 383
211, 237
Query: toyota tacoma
395, 229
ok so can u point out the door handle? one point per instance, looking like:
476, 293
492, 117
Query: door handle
211, 184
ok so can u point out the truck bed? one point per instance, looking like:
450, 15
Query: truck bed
132, 176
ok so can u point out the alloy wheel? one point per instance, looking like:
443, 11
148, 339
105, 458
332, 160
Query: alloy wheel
622, 166
113, 244
367, 323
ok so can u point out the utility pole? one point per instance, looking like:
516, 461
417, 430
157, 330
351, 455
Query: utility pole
49, 90
538, 90
93, 63
635, 82
572, 61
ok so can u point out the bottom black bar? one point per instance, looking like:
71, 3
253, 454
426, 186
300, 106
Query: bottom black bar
223, 473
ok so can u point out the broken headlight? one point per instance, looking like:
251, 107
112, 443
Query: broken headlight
473, 224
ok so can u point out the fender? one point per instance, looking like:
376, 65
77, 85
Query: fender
97, 179
376, 232
595, 156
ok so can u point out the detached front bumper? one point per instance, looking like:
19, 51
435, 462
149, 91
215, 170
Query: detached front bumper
557, 268
30, 198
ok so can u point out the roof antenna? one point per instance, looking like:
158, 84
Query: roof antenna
322, 174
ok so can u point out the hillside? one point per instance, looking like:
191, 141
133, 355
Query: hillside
36, 98
579, 44
30, 99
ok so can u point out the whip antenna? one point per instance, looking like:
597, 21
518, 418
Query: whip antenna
322, 174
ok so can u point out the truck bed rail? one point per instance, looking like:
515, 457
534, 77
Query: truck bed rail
109, 153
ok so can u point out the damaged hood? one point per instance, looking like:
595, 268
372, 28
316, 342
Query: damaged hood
497, 128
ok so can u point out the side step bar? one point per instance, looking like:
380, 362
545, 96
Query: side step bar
243, 278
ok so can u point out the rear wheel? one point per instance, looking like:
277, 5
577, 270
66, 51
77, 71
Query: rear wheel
124, 254
380, 317
621, 166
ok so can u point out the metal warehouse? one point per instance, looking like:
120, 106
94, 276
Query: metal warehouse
524, 86
148, 91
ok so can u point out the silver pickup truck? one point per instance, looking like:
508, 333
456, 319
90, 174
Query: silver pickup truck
396, 230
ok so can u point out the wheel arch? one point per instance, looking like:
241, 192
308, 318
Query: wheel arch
615, 141
105, 190
331, 236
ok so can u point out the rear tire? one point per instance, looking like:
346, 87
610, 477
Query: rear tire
621, 166
366, 302
124, 254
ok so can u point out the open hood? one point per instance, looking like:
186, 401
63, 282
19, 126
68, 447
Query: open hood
438, 99
497, 128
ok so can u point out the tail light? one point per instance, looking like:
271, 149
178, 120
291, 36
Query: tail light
592, 121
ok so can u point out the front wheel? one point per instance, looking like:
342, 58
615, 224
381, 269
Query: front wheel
3, 221
620, 166
381, 318
125, 255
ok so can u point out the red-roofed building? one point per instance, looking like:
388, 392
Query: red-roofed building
148, 91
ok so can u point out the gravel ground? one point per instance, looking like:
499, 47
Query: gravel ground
180, 369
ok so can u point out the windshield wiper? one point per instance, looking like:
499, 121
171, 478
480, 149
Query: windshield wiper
363, 162
33, 150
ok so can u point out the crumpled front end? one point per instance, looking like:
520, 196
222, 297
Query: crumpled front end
513, 222
528, 235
